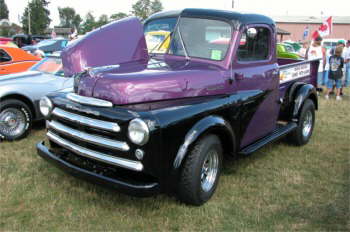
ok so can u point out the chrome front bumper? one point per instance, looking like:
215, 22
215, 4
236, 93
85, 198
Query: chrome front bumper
141, 189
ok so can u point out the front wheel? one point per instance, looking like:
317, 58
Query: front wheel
201, 171
301, 135
15, 119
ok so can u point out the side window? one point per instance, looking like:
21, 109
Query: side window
4, 57
254, 44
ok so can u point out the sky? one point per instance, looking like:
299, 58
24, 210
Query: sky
267, 7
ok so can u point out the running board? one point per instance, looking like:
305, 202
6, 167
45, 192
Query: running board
276, 134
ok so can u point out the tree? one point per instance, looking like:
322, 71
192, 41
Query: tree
156, 6
68, 17
39, 17
4, 12
118, 16
144, 8
102, 21
88, 24
77, 21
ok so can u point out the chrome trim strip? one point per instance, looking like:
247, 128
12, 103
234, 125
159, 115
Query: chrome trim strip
124, 163
88, 100
109, 126
97, 140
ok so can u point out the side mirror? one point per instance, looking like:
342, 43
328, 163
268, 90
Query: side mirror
251, 33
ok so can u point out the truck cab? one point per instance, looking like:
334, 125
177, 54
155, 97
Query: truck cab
145, 123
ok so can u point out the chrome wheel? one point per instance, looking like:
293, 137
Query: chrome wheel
12, 122
209, 170
307, 124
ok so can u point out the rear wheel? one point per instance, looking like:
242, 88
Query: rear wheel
201, 171
15, 119
301, 135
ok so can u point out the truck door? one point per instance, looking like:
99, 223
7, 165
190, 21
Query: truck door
255, 68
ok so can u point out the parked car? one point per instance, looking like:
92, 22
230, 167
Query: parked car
7, 42
14, 60
146, 124
47, 46
24, 39
286, 51
295, 45
20, 94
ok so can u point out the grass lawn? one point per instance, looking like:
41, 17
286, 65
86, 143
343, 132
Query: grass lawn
280, 187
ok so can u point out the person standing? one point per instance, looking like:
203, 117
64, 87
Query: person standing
316, 52
336, 64
303, 50
347, 64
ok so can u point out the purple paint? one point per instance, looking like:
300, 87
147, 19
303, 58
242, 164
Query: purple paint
140, 79
117, 42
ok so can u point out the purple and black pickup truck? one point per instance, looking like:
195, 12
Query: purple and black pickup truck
144, 122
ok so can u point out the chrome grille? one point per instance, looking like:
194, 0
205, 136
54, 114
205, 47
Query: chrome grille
97, 140
69, 130
79, 119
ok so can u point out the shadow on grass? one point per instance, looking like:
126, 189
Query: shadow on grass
232, 165
98, 195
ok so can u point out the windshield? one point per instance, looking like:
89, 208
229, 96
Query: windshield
51, 65
289, 48
156, 32
201, 38
47, 42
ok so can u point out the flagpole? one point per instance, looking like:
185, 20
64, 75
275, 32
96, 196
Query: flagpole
29, 30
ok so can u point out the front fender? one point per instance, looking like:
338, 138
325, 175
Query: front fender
304, 92
202, 126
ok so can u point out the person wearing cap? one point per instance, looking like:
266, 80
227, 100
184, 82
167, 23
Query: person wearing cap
336, 64
341, 44
316, 52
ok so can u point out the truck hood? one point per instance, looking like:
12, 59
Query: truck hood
154, 81
112, 64
117, 42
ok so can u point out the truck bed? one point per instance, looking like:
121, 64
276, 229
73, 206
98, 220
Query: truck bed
292, 71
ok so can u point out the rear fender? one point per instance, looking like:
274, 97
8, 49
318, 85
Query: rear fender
209, 123
302, 93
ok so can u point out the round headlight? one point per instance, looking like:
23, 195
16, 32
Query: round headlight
45, 106
138, 131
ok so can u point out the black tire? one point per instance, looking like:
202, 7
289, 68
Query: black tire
301, 136
14, 109
190, 188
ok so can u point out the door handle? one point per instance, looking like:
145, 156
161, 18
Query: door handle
239, 76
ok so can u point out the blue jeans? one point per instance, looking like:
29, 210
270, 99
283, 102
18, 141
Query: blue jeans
347, 75
325, 77
319, 79
336, 83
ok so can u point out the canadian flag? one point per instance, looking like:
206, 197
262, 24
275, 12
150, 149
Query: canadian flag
325, 29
